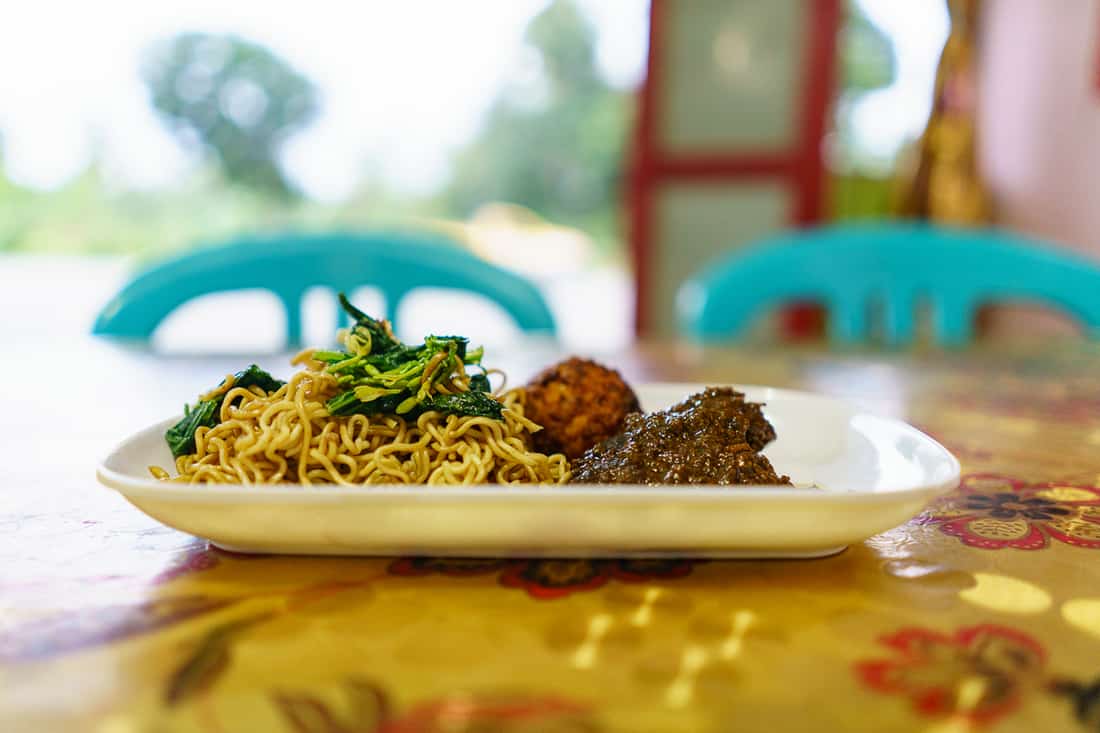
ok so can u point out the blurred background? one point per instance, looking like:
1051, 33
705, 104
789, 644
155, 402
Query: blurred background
603, 149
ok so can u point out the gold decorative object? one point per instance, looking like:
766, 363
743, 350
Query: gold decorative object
945, 185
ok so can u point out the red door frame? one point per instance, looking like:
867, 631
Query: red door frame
801, 168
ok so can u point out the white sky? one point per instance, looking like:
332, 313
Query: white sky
403, 83
886, 118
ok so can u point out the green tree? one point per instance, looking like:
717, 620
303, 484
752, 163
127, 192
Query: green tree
867, 60
867, 63
235, 100
860, 185
554, 143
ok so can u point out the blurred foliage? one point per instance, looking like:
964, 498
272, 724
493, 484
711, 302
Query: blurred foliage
859, 188
554, 141
858, 196
234, 99
867, 60
88, 216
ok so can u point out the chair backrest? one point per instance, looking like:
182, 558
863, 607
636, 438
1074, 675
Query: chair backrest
853, 269
288, 265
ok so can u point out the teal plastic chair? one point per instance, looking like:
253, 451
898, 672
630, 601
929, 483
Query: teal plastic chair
853, 269
288, 265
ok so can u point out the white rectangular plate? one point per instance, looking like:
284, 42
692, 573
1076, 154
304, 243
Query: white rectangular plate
868, 474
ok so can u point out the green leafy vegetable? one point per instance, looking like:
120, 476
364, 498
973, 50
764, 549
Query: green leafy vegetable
181, 436
480, 383
480, 404
380, 374
376, 374
373, 336
253, 376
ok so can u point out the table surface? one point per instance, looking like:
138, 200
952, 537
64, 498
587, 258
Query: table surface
982, 612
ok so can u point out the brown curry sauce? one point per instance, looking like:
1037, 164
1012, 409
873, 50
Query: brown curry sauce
713, 437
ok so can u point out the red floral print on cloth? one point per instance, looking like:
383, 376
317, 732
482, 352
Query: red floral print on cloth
979, 673
557, 578
193, 560
452, 566
548, 579
198, 556
993, 511
366, 706
501, 714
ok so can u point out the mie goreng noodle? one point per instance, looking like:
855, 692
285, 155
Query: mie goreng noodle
378, 412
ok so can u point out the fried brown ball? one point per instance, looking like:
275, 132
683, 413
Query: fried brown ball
578, 403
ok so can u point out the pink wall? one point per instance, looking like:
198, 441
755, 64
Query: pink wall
1039, 117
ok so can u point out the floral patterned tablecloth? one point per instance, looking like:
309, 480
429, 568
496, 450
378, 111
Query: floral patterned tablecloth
982, 613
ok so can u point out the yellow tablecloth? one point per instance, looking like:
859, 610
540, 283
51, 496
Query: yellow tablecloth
982, 613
